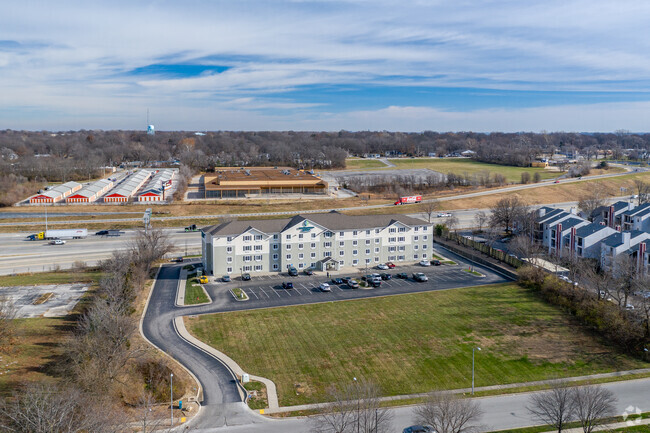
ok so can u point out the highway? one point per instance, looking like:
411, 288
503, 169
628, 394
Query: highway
222, 408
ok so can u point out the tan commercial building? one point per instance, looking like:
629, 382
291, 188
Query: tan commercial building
232, 182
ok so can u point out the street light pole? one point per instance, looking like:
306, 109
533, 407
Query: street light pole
171, 395
358, 406
473, 350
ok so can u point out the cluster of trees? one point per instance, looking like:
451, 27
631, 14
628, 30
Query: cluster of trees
102, 363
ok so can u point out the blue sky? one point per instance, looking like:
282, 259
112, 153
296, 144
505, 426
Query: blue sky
325, 65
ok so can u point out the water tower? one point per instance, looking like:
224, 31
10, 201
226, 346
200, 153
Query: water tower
150, 130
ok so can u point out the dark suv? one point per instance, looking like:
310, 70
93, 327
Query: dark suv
293, 272
246, 277
287, 285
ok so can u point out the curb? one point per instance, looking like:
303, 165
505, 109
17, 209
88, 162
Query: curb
235, 369
180, 292
235, 296
199, 388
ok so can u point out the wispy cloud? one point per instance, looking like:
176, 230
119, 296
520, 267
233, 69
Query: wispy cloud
282, 64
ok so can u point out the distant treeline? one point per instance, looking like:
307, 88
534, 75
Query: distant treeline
77, 154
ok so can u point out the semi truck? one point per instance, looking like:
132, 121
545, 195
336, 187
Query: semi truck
410, 199
59, 234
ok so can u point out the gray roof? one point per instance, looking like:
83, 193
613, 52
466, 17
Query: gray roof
620, 205
558, 218
613, 240
589, 229
550, 215
331, 220
571, 222
639, 210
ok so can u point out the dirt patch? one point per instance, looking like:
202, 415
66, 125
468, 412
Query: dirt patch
43, 298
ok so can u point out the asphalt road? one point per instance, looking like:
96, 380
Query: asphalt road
223, 411
20, 255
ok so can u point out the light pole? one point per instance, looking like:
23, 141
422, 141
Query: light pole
171, 395
358, 406
473, 350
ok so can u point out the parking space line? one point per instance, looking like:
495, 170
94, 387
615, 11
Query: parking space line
252, 293
264, 292
276, 292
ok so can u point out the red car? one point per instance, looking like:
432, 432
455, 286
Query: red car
390, 265
556, 181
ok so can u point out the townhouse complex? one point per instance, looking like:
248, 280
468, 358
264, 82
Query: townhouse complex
620, 228
325, 241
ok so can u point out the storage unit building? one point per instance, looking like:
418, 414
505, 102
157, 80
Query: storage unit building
156, 187
128, 188
56, 194
90, 193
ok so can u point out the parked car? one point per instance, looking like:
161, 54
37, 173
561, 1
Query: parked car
629, 307
375, 282
226, 278
324, 287
418, 429
246, 277
346, 279
203, 279
420, 277
366, 277
179, 259
425, 263
309, 272
557, 181
386, 277
353, 284
383, 267
390, 265
287, 285
402, 275
443, 214
337, 281
57, 242
435, 262
293, 272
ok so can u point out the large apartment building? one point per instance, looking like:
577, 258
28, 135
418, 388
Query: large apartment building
326, 242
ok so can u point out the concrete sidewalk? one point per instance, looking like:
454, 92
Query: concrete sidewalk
477, 389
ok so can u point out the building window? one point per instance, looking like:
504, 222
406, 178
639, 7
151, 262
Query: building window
328, 234
415, 256
288, 256
301, 256
400, 258
392, 249
391, 258
313, 235
341, 263
313, 255
247, 268
275, 266
288, 237
402, 229
355, 243
341, 253
300, 236
275, 246
258, 258
247, 248
247, 258
312, 265
376, 259
275, 256
367, 241
424, 255
401, 239
229, 260
355, 262
368, 252
355, 252
247, 238
415, 247
416, 238
258, 247
288, 246
229, 238
425, 228
367, 261
313, 246
300, 265
258, 268
392, 230
377, 240
424, 246
300, 246
354, 233
377, 231
425, 237
417, 228
367, 232
328, 245
276, 236
341, 244
258, 237
376, 250
341, 234
402, 248
327, 254
391, 240
229, 249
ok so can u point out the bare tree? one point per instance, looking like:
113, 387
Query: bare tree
429, 209
600, 283
642, 191
355, 408
7, 316
449, 413
480, 219
554, 407
149, 246
523, 247
451, 222
506, 211
592, 201
537, 177
592, 405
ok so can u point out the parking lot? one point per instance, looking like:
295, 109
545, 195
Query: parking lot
266, 291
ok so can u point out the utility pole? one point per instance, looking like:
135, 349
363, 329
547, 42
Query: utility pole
171, 395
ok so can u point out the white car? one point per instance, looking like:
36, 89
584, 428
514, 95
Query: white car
324, 287
444, 214
383, 267
57, 242
629, 307
425, 263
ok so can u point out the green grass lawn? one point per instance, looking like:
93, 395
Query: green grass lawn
61, 277
194, 293
411, 343
360, 164
464, 165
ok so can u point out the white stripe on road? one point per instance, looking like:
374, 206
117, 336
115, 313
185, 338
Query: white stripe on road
264, 292
276, 292
252, 292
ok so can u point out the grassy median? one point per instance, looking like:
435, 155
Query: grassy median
194, 293
410, 343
